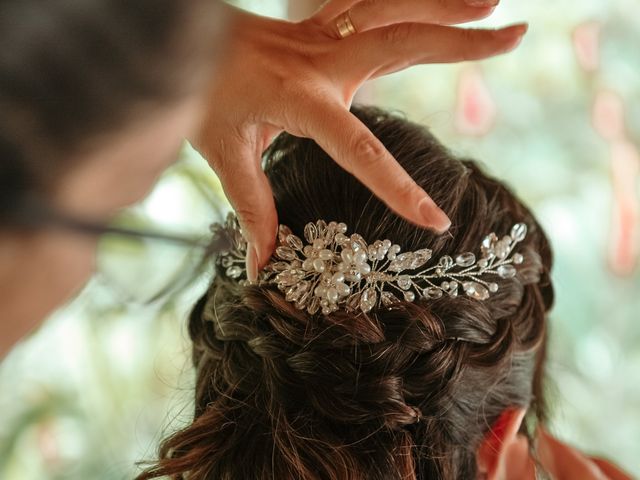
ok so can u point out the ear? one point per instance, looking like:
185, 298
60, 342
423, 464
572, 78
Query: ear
493, 448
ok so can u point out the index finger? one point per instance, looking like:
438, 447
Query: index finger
350, 143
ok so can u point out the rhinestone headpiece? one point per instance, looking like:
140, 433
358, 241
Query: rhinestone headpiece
335, 270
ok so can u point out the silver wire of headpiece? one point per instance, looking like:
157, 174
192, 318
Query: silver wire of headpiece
334, 270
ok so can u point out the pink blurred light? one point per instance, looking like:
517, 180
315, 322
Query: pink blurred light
476, 109
586, 43
608, 115
624, 234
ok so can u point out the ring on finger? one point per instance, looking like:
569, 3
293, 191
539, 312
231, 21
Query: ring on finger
345, 25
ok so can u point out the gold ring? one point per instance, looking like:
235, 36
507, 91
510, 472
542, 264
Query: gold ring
345, 25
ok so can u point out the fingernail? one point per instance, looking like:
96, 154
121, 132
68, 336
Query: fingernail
252, 263
512, 31
433, 215
483, 3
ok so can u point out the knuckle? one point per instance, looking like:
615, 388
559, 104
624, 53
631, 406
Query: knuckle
398, 34
470, 41
369, 152
406, 190
250, 218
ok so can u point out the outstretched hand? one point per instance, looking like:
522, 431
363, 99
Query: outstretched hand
302, 77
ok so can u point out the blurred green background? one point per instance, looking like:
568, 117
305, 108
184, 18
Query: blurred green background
96, 388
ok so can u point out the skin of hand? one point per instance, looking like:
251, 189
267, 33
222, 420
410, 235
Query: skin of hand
301, 78
561, 461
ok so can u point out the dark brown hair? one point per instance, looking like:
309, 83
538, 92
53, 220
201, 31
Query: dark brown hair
72, 72
406, 392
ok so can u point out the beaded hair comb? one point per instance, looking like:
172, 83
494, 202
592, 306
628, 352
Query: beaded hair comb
333, 270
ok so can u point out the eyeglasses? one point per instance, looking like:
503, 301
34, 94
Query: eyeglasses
139, 265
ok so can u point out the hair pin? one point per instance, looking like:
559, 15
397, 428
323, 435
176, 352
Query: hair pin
332, 270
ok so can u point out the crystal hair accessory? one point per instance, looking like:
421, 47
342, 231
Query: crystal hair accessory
335, 270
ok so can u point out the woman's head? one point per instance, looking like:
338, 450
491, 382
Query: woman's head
96, 98
404, 392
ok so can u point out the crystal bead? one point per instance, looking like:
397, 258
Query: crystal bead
476, 290
420, 257
432, 292
320, 291
234, 272
332, 295
341, 228
401, 262
393, 251
388, 298
326, 254
518, 258
353, 276
321, 226
386, 244
318, 265
409, 296
286, 253
445, 285
341, 238
466, 259
308, 251
364, 268
493, 287
404, 282
343, 289
360, 256
347, 255
294, 242
483, 263
446, 262
502, 248
337, 277
318, 244
357, 242
289, 277
506, 271
368, 299
488, 243
283, 233
279, 266
295, 292
307, 264
326, 310
518, 232
310, 232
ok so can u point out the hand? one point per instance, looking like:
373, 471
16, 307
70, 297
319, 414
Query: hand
301, 78
560, 460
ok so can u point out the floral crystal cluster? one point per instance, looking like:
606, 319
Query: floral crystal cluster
332, 270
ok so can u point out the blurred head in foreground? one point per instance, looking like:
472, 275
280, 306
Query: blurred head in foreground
430, 389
